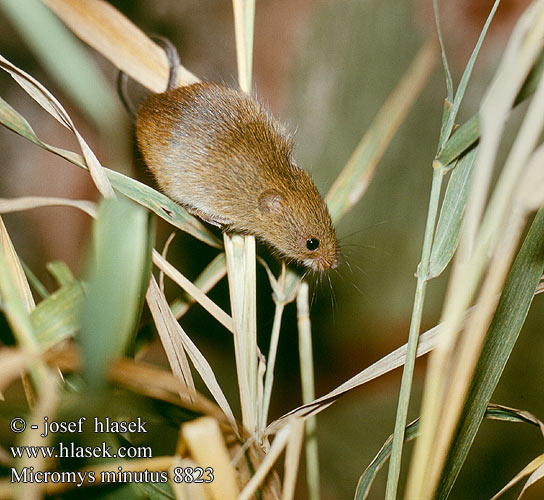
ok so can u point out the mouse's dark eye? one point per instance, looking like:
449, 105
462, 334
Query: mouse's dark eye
312, 243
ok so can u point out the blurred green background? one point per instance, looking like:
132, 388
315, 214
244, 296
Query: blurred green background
325, 68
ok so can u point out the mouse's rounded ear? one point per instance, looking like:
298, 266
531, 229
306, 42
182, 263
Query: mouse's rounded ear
271, 201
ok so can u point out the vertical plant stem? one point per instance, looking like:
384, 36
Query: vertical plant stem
240, 252
308, 389
413, 336
244, 17
269, 377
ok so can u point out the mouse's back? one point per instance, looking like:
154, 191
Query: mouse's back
224, 157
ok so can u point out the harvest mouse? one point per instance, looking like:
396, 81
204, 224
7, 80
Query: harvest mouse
226, 159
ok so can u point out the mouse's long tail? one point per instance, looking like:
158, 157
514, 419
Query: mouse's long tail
173, 63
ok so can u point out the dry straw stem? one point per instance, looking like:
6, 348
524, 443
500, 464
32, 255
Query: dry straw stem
241, 257
292, 459
108, 31
284, 291
244, 20
13, 362
439, 419
241, 270
164, 254
290, 431
208, 448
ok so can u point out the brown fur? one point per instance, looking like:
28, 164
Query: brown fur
225, 158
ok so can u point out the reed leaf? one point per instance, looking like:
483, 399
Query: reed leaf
119, 266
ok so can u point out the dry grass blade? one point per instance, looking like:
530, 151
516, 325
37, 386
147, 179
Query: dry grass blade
156, 300
164, 253
536, 466
208, 448
105, 29
352, 182
212, 274
537, 475
16, 271
168, 329
28, 202
522, 415
192, 290
520, 54
394, 359
48, 101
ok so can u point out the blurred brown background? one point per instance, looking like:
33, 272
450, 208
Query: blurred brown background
325, 68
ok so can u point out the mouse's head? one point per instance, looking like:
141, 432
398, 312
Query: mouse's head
298, 222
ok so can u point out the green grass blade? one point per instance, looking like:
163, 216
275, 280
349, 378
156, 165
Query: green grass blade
449, 81
493, 412
449, 224
34, 282
367, 477
464, 137
61, 272
118, 266
466, 76
469, 133
142, 194
511, 312
57, 317
14, 310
